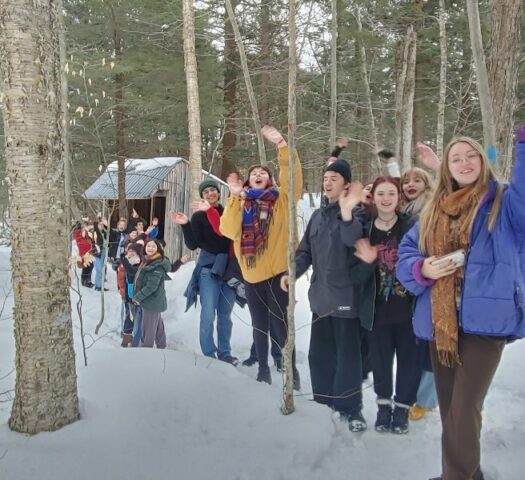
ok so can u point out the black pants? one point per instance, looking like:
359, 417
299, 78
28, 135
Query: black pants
335, 363
267, 303
387, 340
275, 350
86, 274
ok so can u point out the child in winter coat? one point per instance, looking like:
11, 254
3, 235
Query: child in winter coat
470, 307
131, 314
84, 239
150, 293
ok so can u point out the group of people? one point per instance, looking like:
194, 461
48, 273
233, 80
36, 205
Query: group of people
429, 272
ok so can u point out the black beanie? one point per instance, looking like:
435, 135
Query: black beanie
342, 167
208, 183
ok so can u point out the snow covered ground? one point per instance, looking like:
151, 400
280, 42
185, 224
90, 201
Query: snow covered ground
151, 414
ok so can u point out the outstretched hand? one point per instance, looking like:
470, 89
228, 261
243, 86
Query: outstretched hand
179, 218
427, 157
342, 142
273, 135
200, 205
349, 199
234, 184
364, 251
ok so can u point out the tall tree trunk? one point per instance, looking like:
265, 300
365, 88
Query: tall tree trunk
333, 76
229, 140
366, 84
35, 130
505, 19
403, 48
440, 129
248, 81
408, 101
485, 98
288, 406
192, 88
118, 111
420, 74
265, 64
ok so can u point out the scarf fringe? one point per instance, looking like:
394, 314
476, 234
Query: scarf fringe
449, 358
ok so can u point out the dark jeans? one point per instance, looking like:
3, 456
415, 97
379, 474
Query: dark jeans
461, 391
275, 350
387, 340
86, 274
267, 303
335, 363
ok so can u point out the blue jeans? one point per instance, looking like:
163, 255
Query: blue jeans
217, 299
426, 393
136, 312
99, 267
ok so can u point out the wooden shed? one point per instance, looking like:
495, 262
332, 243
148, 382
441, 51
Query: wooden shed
154, 188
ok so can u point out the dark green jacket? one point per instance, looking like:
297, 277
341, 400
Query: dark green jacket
149, 285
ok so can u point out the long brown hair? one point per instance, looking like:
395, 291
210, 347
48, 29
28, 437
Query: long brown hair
446, 185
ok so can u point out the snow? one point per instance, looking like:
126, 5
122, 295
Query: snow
145, 164
149, 413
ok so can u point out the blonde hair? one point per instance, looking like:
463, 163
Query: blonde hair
417, 173
445, 186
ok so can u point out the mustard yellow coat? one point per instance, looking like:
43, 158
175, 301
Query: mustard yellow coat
273, 260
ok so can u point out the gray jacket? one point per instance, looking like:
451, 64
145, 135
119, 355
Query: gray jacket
328, 246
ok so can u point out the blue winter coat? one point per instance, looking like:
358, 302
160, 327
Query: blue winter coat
492, 300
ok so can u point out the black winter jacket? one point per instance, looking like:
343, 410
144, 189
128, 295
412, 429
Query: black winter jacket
328, 246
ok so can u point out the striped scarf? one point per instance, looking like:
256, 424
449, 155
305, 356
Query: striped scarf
256, 217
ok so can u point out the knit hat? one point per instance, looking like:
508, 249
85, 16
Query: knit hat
206, 184
342, 167
262, 167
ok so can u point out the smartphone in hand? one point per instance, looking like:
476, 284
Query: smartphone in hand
457, 257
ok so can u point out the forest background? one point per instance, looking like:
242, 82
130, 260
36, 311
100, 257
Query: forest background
127, 91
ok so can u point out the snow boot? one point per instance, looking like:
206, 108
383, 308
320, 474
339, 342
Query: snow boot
264, 375
249, 362
229, 359
356, 422
384, 416
127, 338
417, 413
278, 362
400, 419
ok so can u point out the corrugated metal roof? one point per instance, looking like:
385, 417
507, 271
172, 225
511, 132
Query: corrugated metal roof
143, 177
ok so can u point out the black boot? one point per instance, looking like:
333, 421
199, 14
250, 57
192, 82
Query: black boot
384, 416
400, 419
278, 362
250, 361
296, 380
264, 375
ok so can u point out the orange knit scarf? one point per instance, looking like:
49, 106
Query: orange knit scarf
451, 232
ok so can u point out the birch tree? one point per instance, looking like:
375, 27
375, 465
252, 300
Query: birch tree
192, 89
248, 82
333, 76
482, 81
288, 406
35, 140
440, 129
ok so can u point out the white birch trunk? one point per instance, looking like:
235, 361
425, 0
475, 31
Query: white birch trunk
35, 141
485, 98
333, 76
408, 101
440, 129
192, 88
288, 406
366, 84
248, 82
